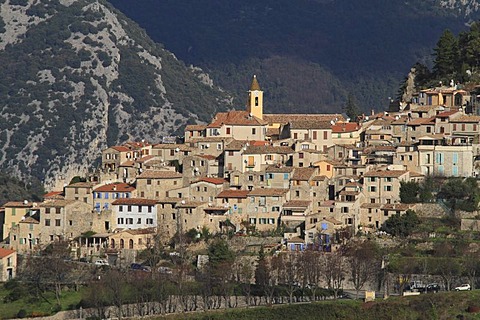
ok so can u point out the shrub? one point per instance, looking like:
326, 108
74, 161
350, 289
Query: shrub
22, 313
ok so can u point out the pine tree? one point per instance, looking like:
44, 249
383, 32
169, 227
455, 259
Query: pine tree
469, 44
446, 57
351, 109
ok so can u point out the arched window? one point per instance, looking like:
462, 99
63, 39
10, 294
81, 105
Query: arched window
112, 243
130, 244
122, 244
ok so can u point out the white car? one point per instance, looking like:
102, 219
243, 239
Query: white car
101, 262
463, 287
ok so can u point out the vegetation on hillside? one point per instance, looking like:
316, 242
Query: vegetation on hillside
60, 89
12, 189
456, 59
325, 48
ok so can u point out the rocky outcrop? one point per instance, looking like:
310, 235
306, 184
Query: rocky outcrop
77, 76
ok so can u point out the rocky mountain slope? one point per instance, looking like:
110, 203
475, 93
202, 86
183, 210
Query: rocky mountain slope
310, 54
77, 76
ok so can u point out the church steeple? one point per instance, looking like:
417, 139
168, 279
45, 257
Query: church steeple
255, 99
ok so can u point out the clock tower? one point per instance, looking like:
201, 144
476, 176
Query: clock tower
255, 99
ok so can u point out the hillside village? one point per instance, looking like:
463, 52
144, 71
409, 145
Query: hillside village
313, 179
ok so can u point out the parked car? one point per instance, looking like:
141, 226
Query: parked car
83, 259
139, 267
101, 262
463, 287
433, 287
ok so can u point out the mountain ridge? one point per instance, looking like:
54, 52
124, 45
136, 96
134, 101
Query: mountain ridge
365, 47
80, 76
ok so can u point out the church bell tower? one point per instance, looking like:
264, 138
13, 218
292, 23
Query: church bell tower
255, 99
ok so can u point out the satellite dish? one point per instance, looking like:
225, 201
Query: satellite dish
182, 202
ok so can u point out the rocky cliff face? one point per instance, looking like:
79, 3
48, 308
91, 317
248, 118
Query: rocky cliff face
77, 76
464, 7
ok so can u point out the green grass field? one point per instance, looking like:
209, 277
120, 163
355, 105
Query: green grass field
36, 307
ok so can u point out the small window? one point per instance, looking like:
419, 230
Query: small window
47, 222
57, 222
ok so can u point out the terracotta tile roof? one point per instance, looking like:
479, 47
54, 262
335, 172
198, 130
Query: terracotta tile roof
420, 108
210, 180
145, 158
353, 184
333, 220
170, 146
319, 178
29, 220
195, 127
128, 163
397, 206
414, 174
371, 205
233, 194
207, 157
18, 204
268, 150
136, 144
190, 204
81, 185
235, 145
54, 195
303, 174
210, 139
135, 201
328, 203
467, 118
279, 169
446, 114
159, 174
120, 148
169, 200
295, 240
297, 204
273, 132
57, 203
5, 252
420, 121
238, 118
285, 118
400, 121
115, 187
385, 173
345, 127
309, 124
270, 192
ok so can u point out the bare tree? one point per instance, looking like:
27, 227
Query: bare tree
334, 271
50, 270
471, 266
363, 263
287, 266
312, 271
265, 277
245, 273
